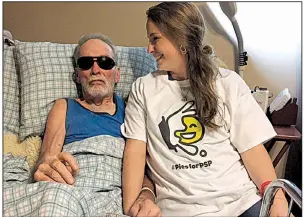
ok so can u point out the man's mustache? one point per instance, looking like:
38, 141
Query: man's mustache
97, 79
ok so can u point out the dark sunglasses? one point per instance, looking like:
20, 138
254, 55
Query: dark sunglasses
103, 62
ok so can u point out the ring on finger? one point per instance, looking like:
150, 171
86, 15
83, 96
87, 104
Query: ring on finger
54, 174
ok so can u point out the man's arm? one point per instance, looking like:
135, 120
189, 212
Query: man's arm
50, 165
134, 161
260, 169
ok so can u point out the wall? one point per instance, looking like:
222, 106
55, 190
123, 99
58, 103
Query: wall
66, 22
272, 38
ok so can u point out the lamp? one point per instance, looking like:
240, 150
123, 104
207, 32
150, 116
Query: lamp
230, 9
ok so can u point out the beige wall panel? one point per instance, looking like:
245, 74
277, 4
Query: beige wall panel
65, 22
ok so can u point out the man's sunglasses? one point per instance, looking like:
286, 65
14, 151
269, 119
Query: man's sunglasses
103, 62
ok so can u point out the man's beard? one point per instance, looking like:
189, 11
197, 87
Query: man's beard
97, 91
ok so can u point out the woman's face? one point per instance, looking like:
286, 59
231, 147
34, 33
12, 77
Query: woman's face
167, 55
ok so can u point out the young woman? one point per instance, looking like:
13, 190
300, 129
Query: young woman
196, 126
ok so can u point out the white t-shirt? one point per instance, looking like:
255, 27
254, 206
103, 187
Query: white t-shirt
197, 171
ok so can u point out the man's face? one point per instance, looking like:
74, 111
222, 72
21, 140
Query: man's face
95, 81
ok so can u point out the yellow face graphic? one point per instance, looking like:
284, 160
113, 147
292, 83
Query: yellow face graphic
192, 133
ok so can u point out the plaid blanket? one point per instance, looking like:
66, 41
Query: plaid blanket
97, 190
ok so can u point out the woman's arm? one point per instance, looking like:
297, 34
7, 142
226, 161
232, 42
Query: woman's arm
260, 169
134, 161
258, 165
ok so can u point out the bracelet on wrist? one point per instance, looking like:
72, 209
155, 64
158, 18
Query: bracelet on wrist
263, 187
148, 189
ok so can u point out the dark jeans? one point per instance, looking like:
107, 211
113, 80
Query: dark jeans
253, 211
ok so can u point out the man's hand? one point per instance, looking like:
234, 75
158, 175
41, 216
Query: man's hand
145, 206
58, 168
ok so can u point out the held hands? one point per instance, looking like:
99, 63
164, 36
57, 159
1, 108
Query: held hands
279, 207
57, 168
145, 206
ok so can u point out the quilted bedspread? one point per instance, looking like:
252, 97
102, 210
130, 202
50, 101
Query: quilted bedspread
97, 190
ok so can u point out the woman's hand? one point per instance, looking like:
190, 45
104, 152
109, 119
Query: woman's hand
144, 206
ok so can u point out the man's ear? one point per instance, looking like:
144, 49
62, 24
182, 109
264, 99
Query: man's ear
117, 75
77, 76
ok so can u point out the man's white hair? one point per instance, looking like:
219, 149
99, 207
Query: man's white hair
90, 36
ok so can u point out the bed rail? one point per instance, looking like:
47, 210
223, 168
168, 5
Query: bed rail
289, 188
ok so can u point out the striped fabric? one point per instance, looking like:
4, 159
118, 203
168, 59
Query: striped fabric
97, 190
46, 72
134, 62
11, 99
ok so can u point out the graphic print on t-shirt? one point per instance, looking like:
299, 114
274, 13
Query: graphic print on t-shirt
181, 130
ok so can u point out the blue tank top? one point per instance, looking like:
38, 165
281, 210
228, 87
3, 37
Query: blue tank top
82, 123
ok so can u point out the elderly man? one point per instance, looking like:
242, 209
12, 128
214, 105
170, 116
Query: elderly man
83, 145
98, 112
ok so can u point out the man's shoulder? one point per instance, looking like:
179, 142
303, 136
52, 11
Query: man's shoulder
62, 102
58, 109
